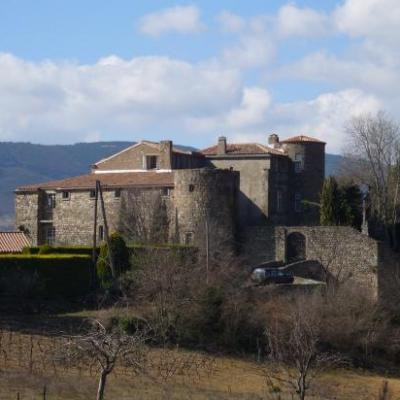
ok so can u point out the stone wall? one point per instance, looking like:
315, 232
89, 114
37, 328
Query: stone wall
344, 252
253, 199
205, 195
308, 182
26, 213
73, 218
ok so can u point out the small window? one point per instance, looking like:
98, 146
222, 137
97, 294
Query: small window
279, 201
92, 194
50, 235
51, 200
298, 206
191, 188
101, 232
188, 237
151, 162
117, 193
166, 192
65, 195
298, 163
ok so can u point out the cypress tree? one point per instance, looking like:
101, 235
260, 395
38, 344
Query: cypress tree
330, 202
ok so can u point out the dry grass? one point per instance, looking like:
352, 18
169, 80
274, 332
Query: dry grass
24, 370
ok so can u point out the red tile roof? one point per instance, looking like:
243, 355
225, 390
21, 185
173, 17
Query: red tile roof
13, 242
108, 180
242, 148
301, 139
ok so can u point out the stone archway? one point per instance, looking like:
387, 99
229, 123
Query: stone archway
295, 247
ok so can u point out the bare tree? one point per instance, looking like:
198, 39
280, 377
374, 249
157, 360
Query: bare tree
294, 358
373, 159
103, 349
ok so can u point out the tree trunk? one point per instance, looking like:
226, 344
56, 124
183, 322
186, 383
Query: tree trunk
102, 385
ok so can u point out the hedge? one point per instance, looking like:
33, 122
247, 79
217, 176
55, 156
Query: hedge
54, 275
87, 250
136, 249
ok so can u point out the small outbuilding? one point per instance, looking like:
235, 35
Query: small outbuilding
13, 242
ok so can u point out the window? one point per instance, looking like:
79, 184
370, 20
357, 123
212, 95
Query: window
92, 194
298, 202
298, 163
279, 201
191, 188
166, 192
188, 237
50, 235
51, 200
101, 232
65, 195
151, 162
117, 193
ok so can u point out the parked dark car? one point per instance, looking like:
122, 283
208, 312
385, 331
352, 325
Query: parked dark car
266, 276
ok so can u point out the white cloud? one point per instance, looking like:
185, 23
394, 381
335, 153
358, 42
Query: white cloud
370, 18
178, 19
294, 21
231, 22
252, 109
52, 102
345, 72
324, 117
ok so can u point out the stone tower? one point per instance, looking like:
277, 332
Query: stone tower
202, 195
308, 173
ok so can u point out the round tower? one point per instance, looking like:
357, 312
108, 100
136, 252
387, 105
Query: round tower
307, 177
204, 201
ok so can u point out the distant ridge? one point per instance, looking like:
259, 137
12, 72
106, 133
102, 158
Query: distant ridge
26, 163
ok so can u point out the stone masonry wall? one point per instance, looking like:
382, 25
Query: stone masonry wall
26, 213
73, 218
204, 192
253, 206
345, 252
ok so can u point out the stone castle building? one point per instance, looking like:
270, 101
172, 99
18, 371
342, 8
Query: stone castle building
231, 186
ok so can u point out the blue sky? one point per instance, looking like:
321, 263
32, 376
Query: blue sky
189, 71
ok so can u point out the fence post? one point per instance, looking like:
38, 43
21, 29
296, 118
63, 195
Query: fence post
44, 392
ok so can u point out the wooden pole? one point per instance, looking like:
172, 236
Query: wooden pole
103, 210
207, 248
94, 250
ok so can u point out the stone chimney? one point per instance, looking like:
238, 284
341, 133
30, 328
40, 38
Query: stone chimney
273, 140
166, 154
222, 145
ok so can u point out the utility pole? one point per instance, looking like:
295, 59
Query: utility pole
207, 247
94, 249
103, 210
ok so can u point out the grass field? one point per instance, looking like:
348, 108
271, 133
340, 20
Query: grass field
24, 372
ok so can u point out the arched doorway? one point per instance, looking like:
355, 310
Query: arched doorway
296, 247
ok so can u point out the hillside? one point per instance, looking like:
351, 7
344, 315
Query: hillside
25, 163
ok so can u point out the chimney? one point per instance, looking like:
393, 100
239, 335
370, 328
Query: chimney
222, 145
166, 154
273, 140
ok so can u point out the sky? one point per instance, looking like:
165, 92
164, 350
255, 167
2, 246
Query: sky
88, 70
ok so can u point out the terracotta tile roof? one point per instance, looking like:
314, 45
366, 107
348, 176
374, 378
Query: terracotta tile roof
13, 242
301, 138
108, 180
242, 148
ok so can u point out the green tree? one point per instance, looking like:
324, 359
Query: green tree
331, 202
340, 205
120, 254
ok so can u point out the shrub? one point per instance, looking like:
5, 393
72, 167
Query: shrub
45, 249
59, 275
103, 269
